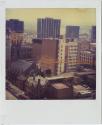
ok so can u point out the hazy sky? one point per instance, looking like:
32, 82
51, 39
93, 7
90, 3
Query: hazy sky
76, 16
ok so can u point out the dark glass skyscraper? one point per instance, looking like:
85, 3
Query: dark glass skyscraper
93, 34
72, 32
15, 25
48, 28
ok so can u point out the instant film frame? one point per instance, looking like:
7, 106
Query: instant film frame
2, 31
69, 111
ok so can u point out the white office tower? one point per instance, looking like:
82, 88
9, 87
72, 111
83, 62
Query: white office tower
71, 56
61, 56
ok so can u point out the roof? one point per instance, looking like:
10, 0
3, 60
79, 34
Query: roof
88, 52
86, 73
92, 77
31, 81
81, 89
60, 86
72, 43
15, 89
21, 77
21, 65
62, 76
94, 44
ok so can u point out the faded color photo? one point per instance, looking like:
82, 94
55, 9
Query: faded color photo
51, 54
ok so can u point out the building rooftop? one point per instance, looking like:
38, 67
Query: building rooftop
72, 43
21, 65
88, 52
81, 89
86, 73
62, 76
59, 86
94, 44
21, 77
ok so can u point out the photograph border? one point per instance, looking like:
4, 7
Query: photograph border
65, 111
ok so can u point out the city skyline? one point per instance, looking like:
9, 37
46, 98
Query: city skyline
48, 65
76, 16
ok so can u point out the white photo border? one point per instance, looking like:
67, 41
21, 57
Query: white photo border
68, 111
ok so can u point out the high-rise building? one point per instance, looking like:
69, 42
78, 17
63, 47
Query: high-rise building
61, 56
15, 25
48, 28
93, 34
45, 53
49, 54
72, 32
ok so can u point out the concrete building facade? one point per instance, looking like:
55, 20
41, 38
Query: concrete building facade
87, 58
61, 56
49, 54
71, 56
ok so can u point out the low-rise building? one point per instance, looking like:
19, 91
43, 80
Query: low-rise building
83, 46
87, 58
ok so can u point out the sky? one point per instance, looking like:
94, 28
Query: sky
84, 17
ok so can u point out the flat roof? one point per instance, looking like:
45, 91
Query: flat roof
81, 89
22, 65
86, 73
60, 86
58, 77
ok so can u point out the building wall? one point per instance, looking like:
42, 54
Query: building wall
8, 52
72, 32
16, 37
19, 50
25, 51
36, 49
83, 46
71, 56
87, 57
93, 47
61, 56
15, 51
93, 34
15, 25
48, 28
49, 55
27, 38
87, 53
